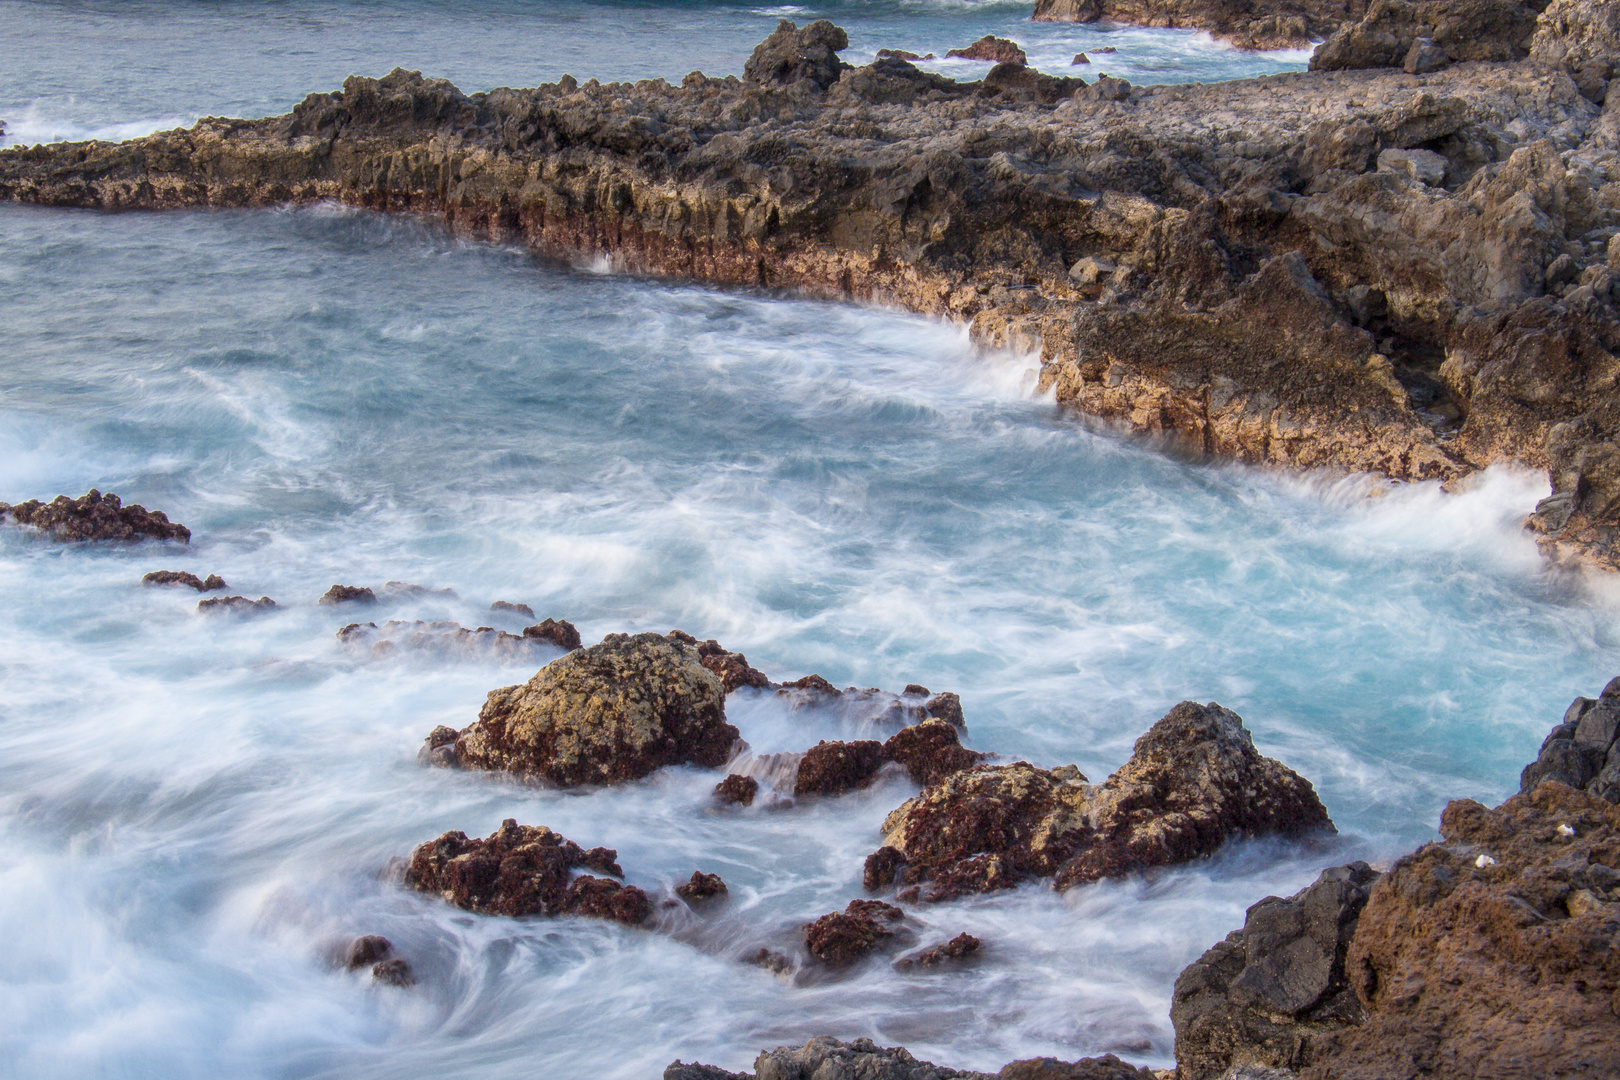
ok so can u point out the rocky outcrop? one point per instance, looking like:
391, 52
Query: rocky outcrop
701, 887
525, 870
945, 953
212, 583
736, 789
792, 57
1248, 24
1425, 35
872, 706
444, 638
558, 632
239, 604
1276, 295
1273, 993
1583, 752
732, 667
1193, 782
832, 768
825, 1058
928, 751
95, 516
516, 609
348, 594
843, 937
377, 953
992, 49
1581, 36
603, 715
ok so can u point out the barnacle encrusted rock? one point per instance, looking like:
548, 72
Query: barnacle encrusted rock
1194, 781
613, 712
94, 516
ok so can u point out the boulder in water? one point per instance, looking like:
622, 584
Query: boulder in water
345, 594
240, 604
558, 632
95, 516
212, 583
525, 870
842, 937
736, 788
701, 887
603, 715
958, 947
516, 609
993, 49
1194, 781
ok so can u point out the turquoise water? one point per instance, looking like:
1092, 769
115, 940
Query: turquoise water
194, 808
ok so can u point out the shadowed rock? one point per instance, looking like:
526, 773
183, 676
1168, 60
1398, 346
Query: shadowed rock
613, 712
395, 972
929, 752
95, 516
842, 937
185, 577
792, 56
1583, 752
736, 788
832, 768
1193, 782
1442, 31
524, 870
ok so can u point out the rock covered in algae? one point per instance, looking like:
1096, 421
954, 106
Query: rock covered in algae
94, 516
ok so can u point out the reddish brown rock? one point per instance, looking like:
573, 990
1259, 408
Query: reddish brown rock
346, 594
516, 609
558, 632
960, 946
832, 768
701, 887
95, 516
842, 937
882, 868
1107, 1067
995, 50
813, 685
930, 751
239, 604
1193, 782
603, 715
395, 972
524, 870
732, 667
736, 789
185, 577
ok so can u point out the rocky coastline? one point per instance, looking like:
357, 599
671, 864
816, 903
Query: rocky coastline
1359, 268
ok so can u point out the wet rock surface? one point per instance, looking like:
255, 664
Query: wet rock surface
94, 516
1583, 752
377, 953
826, 1058
832, 768
943, 954
736, 789
606, 714
993, 49
525, 870
348, 594
1193, 782
840, 938
700, 887
1248, 24
558, 632
1274, 991
516, 609
239, 604
444, 638
928, 751
212, 583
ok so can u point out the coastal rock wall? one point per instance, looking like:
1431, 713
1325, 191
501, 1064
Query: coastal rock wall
1266, 24
1364, 270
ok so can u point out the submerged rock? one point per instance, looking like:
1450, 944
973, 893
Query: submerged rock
960, 946
1193, 782
558, 632
701, 887
825, 1058
516, 609
525, 870
1275, 992
843, 937
239, 604
603, 715
444, 638
736, 788
185, 577
95, 516
345, 594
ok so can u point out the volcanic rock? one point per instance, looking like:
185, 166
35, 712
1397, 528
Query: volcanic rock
558, 632
445, 638
842, 937
367, 950
701, 887
901, 54
95, 516
517, 609
1579, 35
525, 870
1394, 32
235, 603
1249, 24
944, 953
732, 667
882, 868
1193, 782
825, 1058
395, 972
1274, 992
792, 57
736, 789
1583, 752
832, 768
184, 577
931, 751
991, 48
344, 594
610, 713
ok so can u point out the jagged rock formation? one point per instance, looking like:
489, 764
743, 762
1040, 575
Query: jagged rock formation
212, 583
1271, 992
95, 516
992, 49
1281, 291
348, 594
1248, 24
945, 953
603, 715
1193, 782
240, 604
840, 938
929, 751
558, 632
825, 1058
1426, 35
736, 789
525, 870
1583, 752
701, 887
444, 638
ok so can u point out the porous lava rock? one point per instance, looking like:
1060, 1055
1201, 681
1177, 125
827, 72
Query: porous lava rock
1455, 31
525, 870
843, 937
1274, 991
931, 751
1493, 953
1583, 752
516, 609
612, 712
94, 516
946, 952
558, 632
732, 667
348, 594
995, 50
928, 751
1193, 782
794, 57
212, 583
701, 886
826, 1058
444, 638
832, 768
240, 604
736, 788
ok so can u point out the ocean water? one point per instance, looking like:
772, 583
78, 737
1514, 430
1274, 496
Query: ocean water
194, 808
